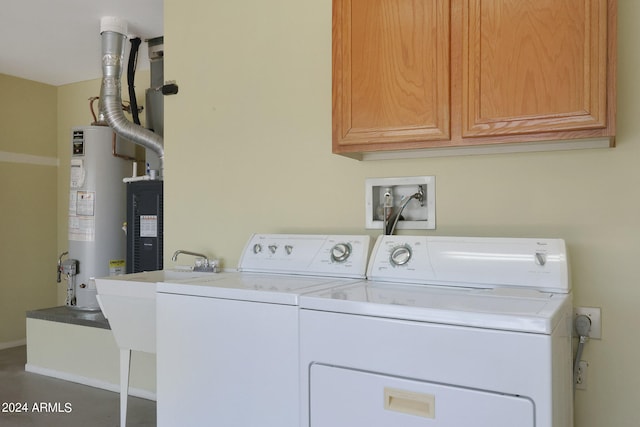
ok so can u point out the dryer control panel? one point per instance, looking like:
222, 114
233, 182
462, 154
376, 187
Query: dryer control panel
538, 264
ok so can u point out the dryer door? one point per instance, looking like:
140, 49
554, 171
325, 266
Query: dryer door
342, 397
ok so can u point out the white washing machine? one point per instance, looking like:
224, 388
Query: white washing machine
447, 331
227, 344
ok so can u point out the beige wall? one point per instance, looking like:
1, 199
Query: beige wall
35, 152
248, 150
28, 169
87, 356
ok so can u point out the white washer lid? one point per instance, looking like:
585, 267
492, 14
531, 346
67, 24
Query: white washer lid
505, 309
256, 287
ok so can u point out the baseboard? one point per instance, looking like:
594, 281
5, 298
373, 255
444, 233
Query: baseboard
11, 344
144, 394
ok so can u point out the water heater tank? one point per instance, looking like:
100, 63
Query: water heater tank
97, 209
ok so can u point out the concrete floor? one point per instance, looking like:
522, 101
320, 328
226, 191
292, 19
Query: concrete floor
51, 402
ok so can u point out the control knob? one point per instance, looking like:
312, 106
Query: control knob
400, 255
257, 248
541, 258
340, 252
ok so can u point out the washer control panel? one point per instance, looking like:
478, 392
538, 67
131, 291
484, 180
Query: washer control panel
314, 255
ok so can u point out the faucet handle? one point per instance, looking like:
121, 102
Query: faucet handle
208, 266
201, 262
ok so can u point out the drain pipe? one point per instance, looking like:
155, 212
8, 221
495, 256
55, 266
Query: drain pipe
113, 32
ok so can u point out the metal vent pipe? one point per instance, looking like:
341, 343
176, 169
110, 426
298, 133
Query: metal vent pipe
113, 32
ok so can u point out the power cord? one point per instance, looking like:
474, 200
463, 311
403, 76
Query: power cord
583, 326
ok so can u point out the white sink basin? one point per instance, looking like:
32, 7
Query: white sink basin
129, 303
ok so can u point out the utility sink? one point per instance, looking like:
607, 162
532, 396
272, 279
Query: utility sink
129, 303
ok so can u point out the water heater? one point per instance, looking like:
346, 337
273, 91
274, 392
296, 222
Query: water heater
97, 209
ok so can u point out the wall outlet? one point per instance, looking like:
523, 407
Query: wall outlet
581, 375
395, 191
594, 314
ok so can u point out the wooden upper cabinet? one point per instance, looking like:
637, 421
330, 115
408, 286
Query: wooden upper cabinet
414, 74
534, 65
390, 71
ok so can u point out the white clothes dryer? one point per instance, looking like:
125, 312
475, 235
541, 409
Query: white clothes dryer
446, 332
227, 344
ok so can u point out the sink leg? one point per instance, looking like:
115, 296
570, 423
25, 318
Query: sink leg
125, 361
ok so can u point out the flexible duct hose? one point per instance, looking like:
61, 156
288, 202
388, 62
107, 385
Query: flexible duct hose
131, 78
113, 43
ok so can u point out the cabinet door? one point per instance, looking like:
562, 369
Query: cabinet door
533, 66
390, 72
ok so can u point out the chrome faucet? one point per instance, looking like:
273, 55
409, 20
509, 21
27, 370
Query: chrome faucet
208, 265
174, 258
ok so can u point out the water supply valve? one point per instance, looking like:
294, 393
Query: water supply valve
70, 267
410, 200
59, 266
